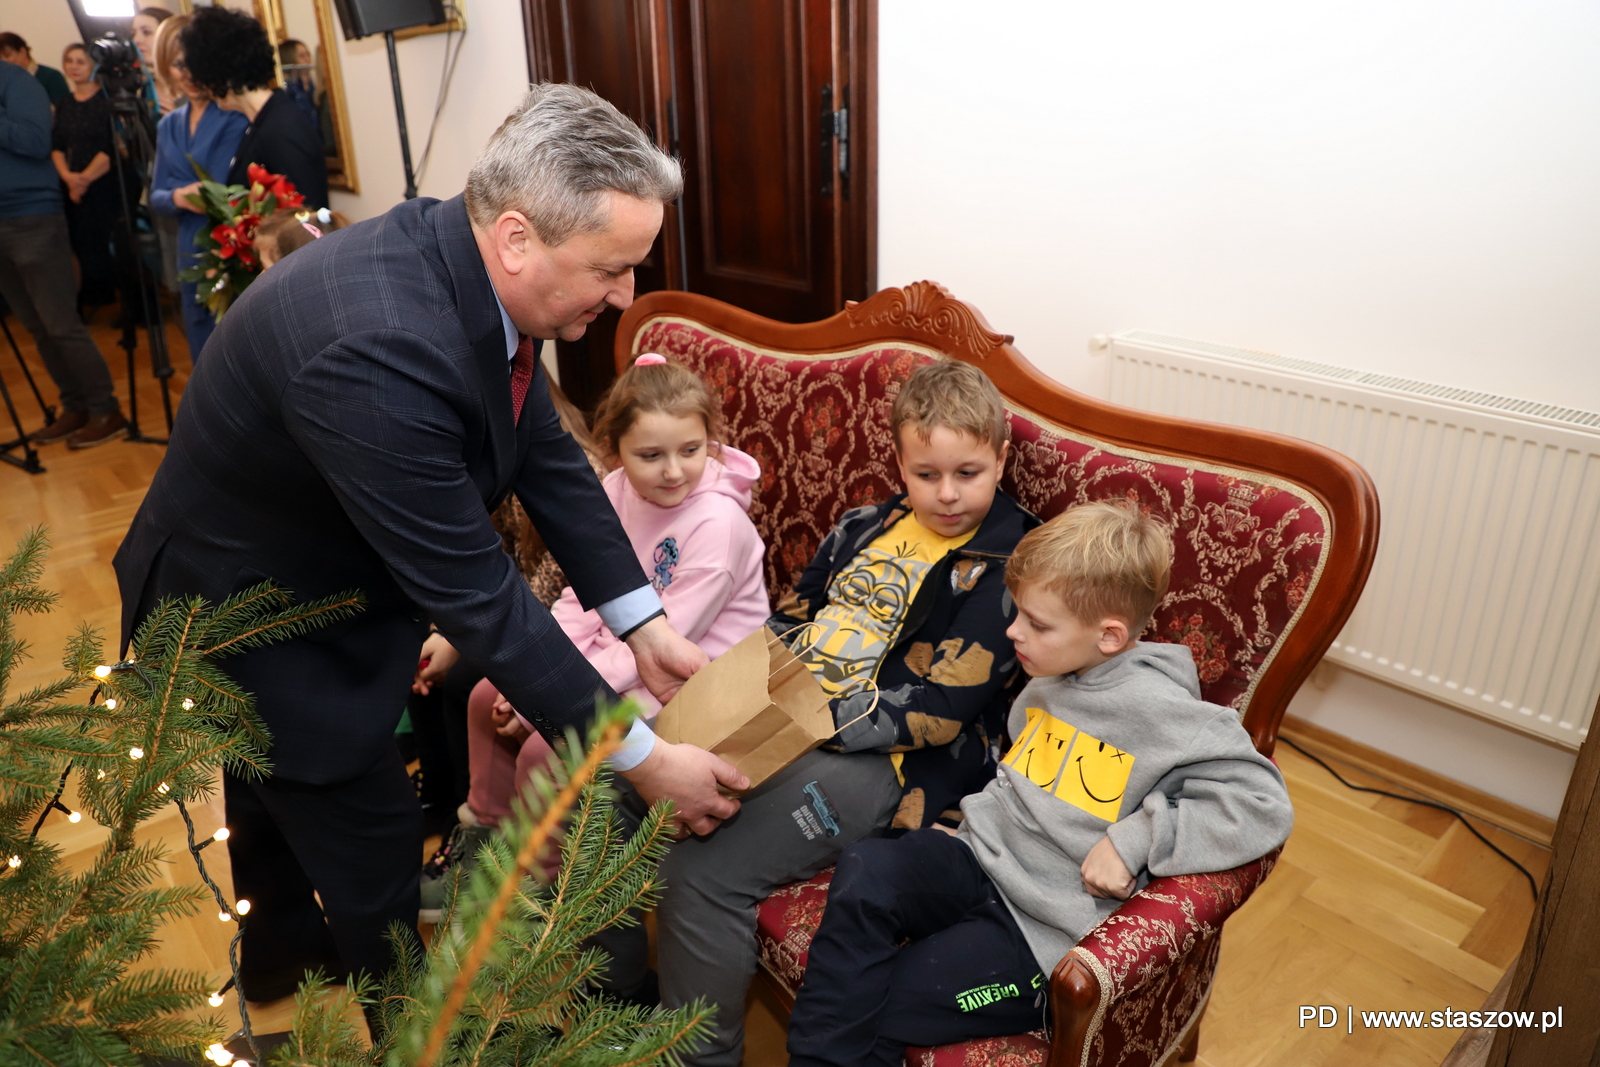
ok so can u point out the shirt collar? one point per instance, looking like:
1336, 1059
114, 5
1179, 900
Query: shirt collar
513, 338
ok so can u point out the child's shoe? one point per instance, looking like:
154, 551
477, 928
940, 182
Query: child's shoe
459, 849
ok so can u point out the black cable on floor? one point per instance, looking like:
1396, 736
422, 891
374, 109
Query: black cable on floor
1425, 803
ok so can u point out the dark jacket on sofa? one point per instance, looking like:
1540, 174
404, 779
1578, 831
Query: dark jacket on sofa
946, 684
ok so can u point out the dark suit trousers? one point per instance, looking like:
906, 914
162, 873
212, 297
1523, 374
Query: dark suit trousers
356, 843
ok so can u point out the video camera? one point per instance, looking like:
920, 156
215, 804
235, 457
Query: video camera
119, 66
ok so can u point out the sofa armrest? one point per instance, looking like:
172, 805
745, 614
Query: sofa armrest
1150, 939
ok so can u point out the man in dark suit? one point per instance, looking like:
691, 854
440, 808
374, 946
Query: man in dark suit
362, 409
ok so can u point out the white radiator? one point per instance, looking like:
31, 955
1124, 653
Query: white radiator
1486, 589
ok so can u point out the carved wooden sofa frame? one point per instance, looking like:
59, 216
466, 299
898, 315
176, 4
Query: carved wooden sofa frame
1275, 537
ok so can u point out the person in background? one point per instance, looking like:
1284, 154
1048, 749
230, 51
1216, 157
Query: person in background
145, 25
13, 49
196, 132
166, 225
36, 268
229, 57
81, 147
294, 58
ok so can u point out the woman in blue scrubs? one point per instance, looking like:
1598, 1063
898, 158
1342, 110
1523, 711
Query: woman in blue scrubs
201, 130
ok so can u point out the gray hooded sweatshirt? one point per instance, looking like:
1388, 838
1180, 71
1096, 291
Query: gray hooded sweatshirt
1127, 749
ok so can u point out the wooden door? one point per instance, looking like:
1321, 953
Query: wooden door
774, 131
609, 46
770, 105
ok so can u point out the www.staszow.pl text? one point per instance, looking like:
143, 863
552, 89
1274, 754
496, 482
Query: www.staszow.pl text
1326, 1017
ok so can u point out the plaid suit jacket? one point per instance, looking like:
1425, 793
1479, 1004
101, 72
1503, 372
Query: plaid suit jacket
350, 428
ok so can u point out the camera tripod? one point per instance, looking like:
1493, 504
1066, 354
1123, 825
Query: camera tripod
29, 460
134, 138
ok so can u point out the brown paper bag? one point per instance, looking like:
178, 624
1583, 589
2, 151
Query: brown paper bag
755, 705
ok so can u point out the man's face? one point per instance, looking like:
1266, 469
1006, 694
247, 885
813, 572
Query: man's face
555, 291
17, 57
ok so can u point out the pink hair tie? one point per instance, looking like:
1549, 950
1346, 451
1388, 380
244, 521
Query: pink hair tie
649, 359
312, 230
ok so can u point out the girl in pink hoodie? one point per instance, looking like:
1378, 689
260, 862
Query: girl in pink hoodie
683, 500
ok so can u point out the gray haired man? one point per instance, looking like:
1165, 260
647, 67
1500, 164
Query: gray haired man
360, 411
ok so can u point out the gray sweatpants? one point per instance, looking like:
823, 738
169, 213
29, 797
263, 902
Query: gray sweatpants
706, 923
36, 280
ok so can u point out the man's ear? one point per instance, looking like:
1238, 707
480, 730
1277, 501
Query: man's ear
1114, 636
513, 241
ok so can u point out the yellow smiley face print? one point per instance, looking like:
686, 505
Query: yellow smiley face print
1084, 771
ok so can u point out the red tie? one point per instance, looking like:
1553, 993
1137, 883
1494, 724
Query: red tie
521, 375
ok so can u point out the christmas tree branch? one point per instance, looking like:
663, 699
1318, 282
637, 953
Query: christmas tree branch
527, 855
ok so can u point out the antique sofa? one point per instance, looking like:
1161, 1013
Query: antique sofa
1274, 539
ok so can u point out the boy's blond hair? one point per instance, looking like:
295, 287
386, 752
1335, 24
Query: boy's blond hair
1101, 559
952, 394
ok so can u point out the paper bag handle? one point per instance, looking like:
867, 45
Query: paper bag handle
876, 692
808, 648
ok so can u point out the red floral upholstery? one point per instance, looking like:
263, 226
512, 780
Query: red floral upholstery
1249, 553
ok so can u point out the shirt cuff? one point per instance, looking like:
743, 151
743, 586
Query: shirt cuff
629, 610
639, 743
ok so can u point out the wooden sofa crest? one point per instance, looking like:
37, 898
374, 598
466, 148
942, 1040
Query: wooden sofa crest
1274, 538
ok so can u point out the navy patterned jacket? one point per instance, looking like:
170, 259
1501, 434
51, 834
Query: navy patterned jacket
351, 428
947, 681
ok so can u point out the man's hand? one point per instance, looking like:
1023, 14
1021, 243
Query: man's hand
437, 657
1105, 875
689, 777
665, 659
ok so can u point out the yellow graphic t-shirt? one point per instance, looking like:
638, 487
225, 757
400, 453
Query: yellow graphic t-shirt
867, 603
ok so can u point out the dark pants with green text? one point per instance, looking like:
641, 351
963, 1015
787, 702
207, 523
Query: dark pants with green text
967, 971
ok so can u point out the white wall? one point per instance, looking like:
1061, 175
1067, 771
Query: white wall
1396, 185
46, 25
490, 78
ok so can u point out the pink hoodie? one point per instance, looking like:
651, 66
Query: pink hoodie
703, 556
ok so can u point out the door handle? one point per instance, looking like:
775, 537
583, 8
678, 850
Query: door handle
841, 130
826, 123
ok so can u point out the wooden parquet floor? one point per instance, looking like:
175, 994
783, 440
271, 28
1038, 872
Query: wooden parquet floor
1378, 904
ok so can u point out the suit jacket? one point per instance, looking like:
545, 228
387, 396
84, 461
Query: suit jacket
284, 141
351, 427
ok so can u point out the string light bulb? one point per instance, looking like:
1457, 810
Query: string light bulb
220, 835
136, 752
242, 907
188, 704
74, 816
164, 787
224, 916
215, 1000
102, 671
111, 702
99, 775
14, 862
219, 1055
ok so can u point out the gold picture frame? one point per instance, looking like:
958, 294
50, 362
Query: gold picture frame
342, 161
